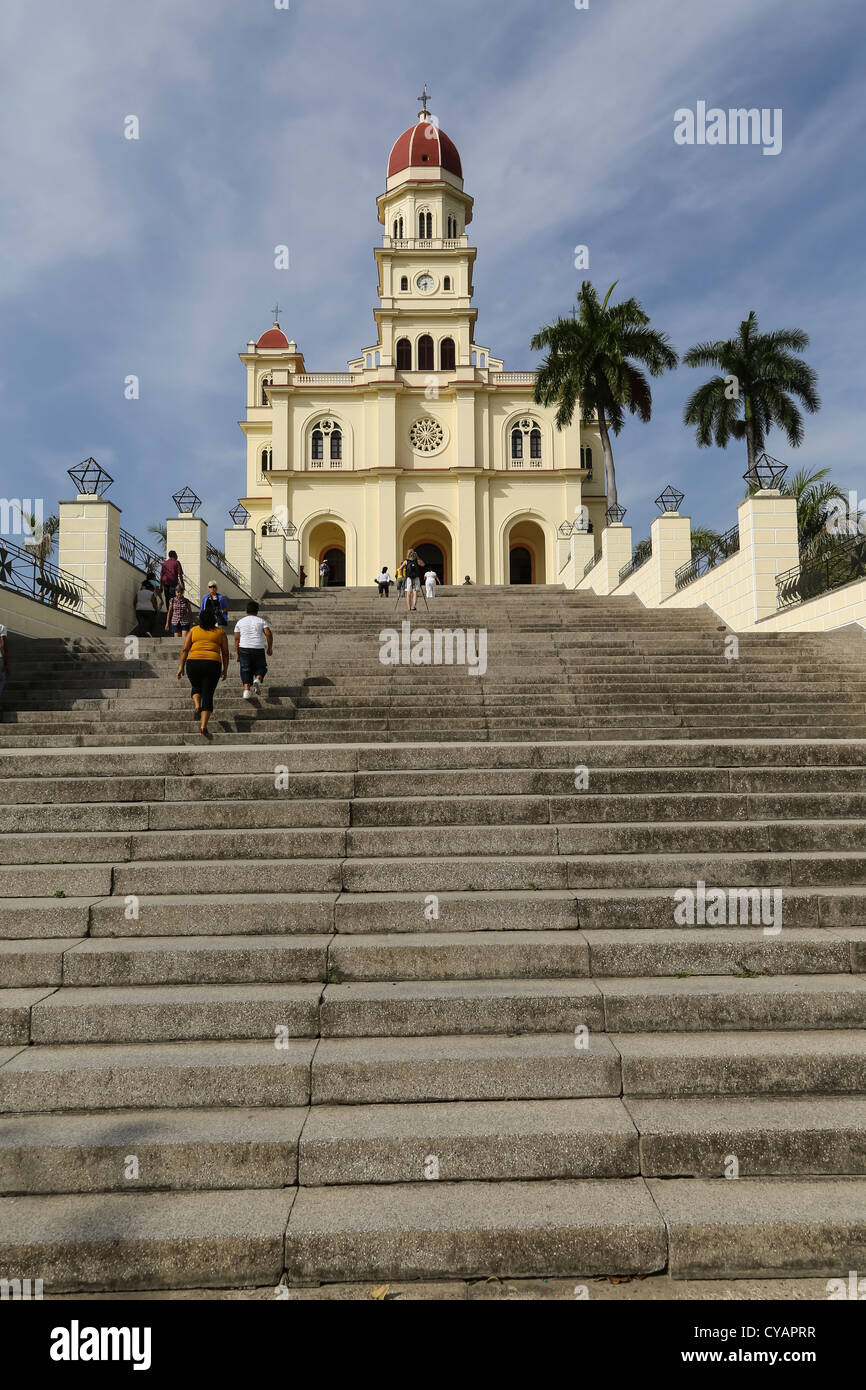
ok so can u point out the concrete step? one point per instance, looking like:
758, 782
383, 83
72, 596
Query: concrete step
763, 1226
147, 1240
441, 1229
713, 1064
119, 1076
173, 1150
767, 1136
483, 1140
530, 1066
153, 1013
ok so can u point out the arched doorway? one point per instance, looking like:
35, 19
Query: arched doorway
326, 540
432, 558
525, 553
520, 565
432, 539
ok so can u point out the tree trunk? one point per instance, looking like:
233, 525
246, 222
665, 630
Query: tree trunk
754, 483
607, 451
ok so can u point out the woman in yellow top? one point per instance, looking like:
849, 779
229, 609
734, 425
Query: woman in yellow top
205, 653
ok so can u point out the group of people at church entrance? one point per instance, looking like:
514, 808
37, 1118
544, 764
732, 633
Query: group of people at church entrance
408, 577
204, 657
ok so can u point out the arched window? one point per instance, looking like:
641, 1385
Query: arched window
526, 443
398, 228
404, 282
425, 225
266, 381
425, 354
452, 227
586, 458
447, 355
447, 282
326, 440
404, 355
267, 458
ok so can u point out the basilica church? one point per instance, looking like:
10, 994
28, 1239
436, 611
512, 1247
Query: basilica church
426, 441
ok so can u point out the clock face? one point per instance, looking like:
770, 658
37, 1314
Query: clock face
425, 283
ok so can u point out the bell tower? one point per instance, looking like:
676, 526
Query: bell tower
425, 260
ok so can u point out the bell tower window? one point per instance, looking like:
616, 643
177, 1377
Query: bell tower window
398, 228
425, 354
404, 355
266, 381
404, 282
447, 355
425, 225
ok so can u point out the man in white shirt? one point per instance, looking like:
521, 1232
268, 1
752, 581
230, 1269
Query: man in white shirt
252, 634
431, 579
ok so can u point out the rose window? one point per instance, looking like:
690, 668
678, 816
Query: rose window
427, 436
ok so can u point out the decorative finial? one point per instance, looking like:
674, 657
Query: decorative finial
424, 98
276, 316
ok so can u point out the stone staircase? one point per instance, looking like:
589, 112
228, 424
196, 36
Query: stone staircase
388, 984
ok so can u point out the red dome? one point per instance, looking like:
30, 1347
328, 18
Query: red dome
274, 338
424, 146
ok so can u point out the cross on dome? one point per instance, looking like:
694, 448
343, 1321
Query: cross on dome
424, 98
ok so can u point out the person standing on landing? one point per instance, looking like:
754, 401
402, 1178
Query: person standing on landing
204, 655
251, 634
170, 576
413, 580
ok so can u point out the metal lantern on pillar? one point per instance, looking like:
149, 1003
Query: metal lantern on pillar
186, 501
669, 500
90, 478
769, 471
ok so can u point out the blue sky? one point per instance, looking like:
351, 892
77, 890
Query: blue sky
261, 126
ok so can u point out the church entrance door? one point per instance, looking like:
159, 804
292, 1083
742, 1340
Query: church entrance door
432, 559
337, 567
521, 566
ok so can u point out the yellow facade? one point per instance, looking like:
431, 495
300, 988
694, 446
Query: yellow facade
426, 440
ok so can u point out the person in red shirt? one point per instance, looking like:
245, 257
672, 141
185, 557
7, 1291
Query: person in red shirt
170, 576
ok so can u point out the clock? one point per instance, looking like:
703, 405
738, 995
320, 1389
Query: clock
425, 283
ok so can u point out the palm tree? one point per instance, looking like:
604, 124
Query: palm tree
706, 541
40, 540
817, 502
592, 360
159, 529
760, 375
